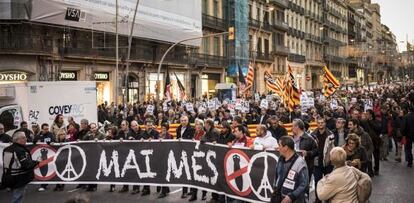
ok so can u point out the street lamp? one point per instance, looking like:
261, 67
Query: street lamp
170, 48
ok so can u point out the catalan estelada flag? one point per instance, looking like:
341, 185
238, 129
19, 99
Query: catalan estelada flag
330, 83
274, 85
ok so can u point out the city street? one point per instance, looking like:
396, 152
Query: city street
392, 185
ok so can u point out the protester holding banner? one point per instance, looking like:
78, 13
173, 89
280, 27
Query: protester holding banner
199, 134
164, 135
185, 131
264, 139
240, 132
58, 125
18, 167
275, 128
226, 136
61, 138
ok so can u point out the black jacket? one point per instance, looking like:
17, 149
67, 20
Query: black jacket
5, 138
210, 136
48, 137
308, 144
373, 128
20, 174
407, 126
225, 138
320, 140
336, 136
188, 133
278, 132
81, 134
153, 134
264, 121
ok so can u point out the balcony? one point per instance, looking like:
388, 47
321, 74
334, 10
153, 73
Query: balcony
331, 41
137, 54
281, 3
281, 50
260, 25
25, 44
314, 38
296, 58
334, 59
280, 25
352, 60
208, 60
214, 22
261, 56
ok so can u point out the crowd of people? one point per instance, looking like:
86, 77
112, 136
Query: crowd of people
355, 129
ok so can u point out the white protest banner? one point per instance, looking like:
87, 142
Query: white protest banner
269, 97
238, 104
257, 97
334, 104
353, 100
189, 107
165, 106
368, 105
211, 104
321, 97
246, 107
150, 109
264, 104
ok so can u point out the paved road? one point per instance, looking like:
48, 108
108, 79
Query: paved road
394, 184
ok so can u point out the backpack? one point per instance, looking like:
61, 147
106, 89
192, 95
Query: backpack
364, 187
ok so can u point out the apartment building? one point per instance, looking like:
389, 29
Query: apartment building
295, 16
313, 44
267, 30
335, 35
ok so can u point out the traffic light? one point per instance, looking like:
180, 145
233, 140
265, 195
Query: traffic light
231, 33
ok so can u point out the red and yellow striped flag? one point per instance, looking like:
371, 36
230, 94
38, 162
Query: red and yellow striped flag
330, 83
250, 76
294, 92
273, 85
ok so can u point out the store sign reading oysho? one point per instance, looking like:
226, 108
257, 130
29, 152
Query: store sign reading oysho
101, 76
13, 76
68, 75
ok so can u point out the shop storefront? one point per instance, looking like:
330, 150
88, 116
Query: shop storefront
208, 84
13, 77
68, 75
151, 82
103, 87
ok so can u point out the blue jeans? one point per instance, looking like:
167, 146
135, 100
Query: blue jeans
17, 194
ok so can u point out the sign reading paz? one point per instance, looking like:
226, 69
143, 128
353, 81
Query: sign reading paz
238, 173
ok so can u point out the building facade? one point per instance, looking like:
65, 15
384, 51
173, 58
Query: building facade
295, 16
314, 44
267, 31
